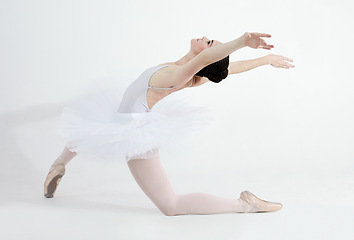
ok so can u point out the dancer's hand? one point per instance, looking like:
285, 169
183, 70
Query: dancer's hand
279, 61
254, 40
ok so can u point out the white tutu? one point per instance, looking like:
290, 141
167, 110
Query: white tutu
92, 126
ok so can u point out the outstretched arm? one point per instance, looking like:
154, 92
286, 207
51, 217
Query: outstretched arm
252, 40
179, 75
271, 59
245, 65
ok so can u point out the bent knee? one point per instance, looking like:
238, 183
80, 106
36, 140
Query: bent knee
169, 209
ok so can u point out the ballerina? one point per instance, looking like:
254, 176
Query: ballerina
149, 118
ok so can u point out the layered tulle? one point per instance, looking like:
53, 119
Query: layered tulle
92, 126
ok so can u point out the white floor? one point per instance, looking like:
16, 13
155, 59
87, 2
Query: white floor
100, 200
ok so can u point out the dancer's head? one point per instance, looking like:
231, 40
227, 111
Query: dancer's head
216, 71
199, 44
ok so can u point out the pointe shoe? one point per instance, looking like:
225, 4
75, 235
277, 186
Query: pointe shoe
54, 176
260, 204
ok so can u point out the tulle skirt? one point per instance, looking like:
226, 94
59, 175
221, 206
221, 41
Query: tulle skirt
92, 126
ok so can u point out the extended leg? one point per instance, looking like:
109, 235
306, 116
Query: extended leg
153, 180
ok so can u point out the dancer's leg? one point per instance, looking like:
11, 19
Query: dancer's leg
65, 157
153, 180
56, 172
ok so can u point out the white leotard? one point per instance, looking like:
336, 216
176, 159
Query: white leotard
134, 98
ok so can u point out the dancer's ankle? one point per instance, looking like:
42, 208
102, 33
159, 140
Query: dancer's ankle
244, 207
60, 161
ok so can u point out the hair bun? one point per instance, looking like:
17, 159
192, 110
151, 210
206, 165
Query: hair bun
216, 71
224, 73
218, 77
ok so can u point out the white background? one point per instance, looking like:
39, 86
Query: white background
284, 134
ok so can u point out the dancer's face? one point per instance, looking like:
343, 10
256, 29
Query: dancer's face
199, 44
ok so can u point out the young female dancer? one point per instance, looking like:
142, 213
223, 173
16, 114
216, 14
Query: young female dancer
144, 122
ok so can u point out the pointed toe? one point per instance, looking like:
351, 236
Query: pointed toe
52, 181
260, 204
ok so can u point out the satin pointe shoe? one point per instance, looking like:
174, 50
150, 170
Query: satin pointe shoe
54, 176
259, 204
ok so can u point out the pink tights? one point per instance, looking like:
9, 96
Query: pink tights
153, 180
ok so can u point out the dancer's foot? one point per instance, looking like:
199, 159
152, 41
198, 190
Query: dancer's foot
257, 204
54, 176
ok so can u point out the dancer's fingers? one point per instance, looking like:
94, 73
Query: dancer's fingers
264, 35
288, 64
268, 47
288, 59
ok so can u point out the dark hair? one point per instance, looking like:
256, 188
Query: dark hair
216, 71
